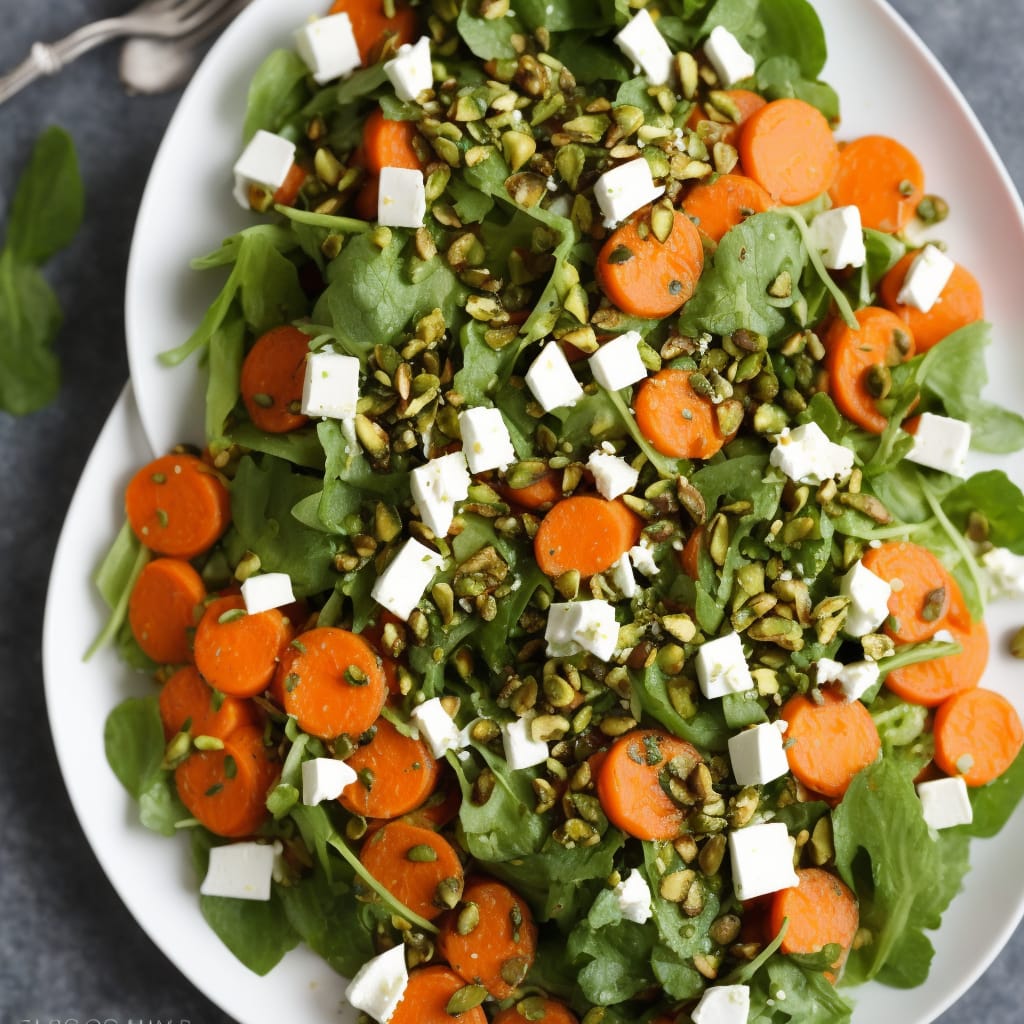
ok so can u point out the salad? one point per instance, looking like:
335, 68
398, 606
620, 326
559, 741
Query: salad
559, 680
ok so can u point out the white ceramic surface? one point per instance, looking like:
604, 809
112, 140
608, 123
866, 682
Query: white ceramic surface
888, 83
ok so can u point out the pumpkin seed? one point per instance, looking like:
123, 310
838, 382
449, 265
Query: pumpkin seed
468, 919
469, 996
675, 886
712, 853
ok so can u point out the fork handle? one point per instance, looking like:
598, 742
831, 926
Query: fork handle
49, 58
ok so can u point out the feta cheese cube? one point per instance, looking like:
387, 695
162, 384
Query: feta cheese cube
595, 628
807, 456
485, 440
622, 577
521, 749
410, 71
328, 47
267, 590
837, 234
731, 62
437, 727
762, 860
551, 380
643, 560
945, 803
379, 984
722, 667
645, 46
559, 631
240, 871
323, 778
400, 586
827, 670
1005, 573
927, 276
264, 164
331, 385
633, 896
757, 756
869, 600
723, 1004
857, 678
617, 363
437, 486
941, 442
612, 475
624, 189
402, 199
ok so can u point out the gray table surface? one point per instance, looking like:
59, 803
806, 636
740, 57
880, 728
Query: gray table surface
69, 950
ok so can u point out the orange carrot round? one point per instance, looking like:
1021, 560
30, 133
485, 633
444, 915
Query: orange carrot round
881, 338
499, 950
371, 24
235, 652
585, 533
426, 998
188, 703
164, 607
272, 376
882, 178
675, 419
542, 1011
821, 910
396, 774
411, 863
629, 783
226, 789
178, 506
721, 204
959, 303
829, 742
332, 682
931, 682
925, 597
388, 144
538, 496
645, 277
746, 103
787, 147
288, 191
978, 735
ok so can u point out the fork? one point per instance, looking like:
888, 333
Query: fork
161, 18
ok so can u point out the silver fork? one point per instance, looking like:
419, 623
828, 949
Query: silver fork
160, 18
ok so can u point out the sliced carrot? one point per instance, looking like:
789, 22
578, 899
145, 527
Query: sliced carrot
931, 682
978, 735
178, 506
675, 419
226, 789
821, 910
828, 743
882, 178
719, 205
332, 682
288, 191
396, 774
499, 950
881, 338
745, 101
538, 496
585, 533
441, 807
412, 863
187, 703
540, 1010
788, 147
371, 24
689, 557
388, 144
235, 652
273, 373
645, 277
630, 783
925, 597
959, 303
164, 607
426, 998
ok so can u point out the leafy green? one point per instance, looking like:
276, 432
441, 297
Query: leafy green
992, 493
993, 804
276, 93
488, 39
133, 738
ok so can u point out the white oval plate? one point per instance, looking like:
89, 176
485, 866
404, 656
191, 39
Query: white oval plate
888, 83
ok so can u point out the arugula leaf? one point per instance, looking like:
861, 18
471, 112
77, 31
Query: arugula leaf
276, 93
